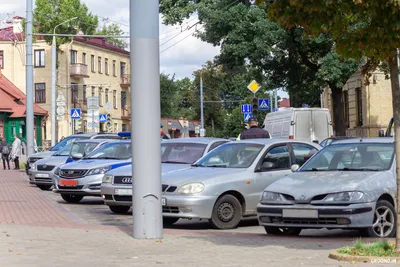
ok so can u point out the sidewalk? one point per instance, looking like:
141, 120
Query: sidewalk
35, 231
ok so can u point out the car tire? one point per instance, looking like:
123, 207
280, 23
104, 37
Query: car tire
168, 221
119, 209
272, 230
44, 187
71, 198
382, 207
227, 213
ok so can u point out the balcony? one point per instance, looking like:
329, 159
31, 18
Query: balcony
79, 70
126, 113
125, 80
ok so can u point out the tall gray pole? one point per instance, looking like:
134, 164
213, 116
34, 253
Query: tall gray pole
271, 103
29, 79
145, 110
53, 92
201, 101
276, 98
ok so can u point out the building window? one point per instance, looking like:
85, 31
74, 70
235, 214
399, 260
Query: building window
123, 100
346, 108
123, 68
359, 107
114, 70
84, 58
99, 64
106, 96
124, 128
92, 62
106, 65
74, 56
39, 58
93, 91
74, 93
2, 59
100, 97
115, 127
2, 127
40, 93
115, 99
84, 97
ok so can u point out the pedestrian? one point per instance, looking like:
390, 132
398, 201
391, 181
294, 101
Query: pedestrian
163, 135
254, 132
16, 151
5, 153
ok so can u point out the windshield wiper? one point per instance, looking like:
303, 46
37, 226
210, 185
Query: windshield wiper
177, 162
196, 165
103, 158
359, 169
216, 166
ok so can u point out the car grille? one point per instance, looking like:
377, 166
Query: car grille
32, 160
123, 198
314, 221
122, 179
40, 179
45, 167
70, 187
168, 209
72, 173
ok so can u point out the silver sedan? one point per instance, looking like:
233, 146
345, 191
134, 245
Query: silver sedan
350, 184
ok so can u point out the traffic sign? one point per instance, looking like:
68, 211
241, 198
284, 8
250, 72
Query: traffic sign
275, 109
247, 116
102, 117
60, 98
202, 132
93, 102
246, 108
197, 129
75, 113
263, 104
60, 118
60, 110
92, 125
305, 105
253, 86
108, 106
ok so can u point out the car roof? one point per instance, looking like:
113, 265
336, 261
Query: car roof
95, 140
92, 134
269, 141
199, 140
383, 140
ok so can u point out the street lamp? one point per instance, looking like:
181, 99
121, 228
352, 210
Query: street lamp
53, 83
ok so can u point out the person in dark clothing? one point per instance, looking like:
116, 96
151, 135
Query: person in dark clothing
5, 153
254, 132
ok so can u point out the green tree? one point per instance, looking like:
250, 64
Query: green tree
359, 28
49, 13
115, 30
168, 92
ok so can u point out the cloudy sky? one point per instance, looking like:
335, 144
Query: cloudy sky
183, 53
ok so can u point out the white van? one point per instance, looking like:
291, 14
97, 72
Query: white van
306, 124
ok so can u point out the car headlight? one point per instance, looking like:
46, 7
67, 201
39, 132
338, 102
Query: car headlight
350, 196
193, 188
57, 171
33, 166
101, 170
272, 197
107, 179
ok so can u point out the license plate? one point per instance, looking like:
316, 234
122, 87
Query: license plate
163, 201
68, 182
292, 213
123, 192
42, 175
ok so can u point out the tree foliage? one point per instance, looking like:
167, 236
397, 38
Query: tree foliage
114, 29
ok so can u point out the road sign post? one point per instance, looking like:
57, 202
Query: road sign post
75, 113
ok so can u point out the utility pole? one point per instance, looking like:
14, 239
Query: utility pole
276, 98
146, 150
201, 105
29, 79
271, 103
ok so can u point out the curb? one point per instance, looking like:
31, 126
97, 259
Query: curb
365, 259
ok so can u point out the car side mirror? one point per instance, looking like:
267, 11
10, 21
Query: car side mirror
266, 166
295, 167
316, 141
381, 133
77, 155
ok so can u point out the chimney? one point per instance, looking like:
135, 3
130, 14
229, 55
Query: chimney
17, 25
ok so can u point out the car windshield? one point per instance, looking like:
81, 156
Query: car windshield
352, 157
68, 140
83, 148
64, 151
235, 155
119, 151
185, 153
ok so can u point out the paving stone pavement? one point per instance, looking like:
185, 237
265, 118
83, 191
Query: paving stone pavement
37, 231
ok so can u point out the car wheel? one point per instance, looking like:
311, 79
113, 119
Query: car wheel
271, 230
227, 212
384, 223
44, 187
71, 198
119, 209
168, 221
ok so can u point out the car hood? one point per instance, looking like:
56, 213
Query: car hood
165, 168
52, 161
311, 184
43, 155
199, 174
97, 163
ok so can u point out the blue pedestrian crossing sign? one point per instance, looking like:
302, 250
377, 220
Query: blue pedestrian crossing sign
247, 116
76, 113
275, 109
247, 108
103, 118
263, 104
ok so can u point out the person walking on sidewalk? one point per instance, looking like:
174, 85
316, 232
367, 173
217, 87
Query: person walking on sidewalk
16, 151
5, 153
253, 132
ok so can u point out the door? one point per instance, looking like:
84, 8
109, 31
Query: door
301, 153
280, 162
302, 126
321, 125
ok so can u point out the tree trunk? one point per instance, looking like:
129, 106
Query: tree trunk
394, 78
212, 126
338, 112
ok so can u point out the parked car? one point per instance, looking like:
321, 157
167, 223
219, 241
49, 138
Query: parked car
42, 170
83, 178
334, 139
81, 136
306, 124
348, 185
176, 154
